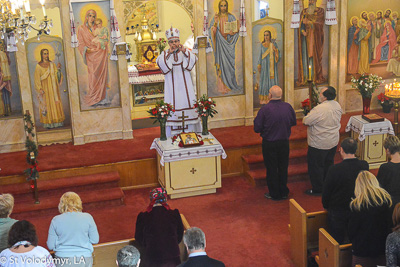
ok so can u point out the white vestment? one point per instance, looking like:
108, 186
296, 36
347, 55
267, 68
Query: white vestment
189, 44
178, 90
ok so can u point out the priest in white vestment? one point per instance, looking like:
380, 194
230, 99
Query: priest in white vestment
176, 64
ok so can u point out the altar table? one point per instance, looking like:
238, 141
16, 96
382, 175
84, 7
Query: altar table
371, 137
189, 171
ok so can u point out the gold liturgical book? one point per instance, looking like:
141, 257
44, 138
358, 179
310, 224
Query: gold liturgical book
372, 117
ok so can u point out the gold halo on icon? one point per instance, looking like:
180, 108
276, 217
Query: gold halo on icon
318, 4
351, 20
230, 6
99, 13
36, 53
366, 12
267, 28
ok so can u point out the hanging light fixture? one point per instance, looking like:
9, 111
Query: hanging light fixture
16, 20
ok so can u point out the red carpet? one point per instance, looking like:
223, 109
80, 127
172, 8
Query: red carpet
62, 156
242, 227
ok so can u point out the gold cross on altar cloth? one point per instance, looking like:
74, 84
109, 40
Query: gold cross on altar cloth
183, 117
193, 170
209, 140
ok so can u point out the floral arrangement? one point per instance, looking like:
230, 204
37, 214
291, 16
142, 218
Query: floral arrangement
205, 106
161, 111
383, 99
161, 44
305, 105
177, 141
366, 84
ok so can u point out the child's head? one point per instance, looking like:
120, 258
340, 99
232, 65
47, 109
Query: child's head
98, 23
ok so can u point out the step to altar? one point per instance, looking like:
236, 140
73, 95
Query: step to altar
255, 171
96, 191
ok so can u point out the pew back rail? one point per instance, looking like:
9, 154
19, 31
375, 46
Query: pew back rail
303, 230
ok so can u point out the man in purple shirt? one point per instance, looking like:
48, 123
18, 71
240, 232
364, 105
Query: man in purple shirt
274, 121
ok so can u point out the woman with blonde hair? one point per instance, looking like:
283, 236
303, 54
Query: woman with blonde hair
389, 173
6, 207
369, 221
72, 233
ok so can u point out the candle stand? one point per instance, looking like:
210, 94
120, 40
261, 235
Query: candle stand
396, 100
392, 91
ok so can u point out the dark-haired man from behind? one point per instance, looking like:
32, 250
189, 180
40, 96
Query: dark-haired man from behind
323, 123
195, 242
339, 186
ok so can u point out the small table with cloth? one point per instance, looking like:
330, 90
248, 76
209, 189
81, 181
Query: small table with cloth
371, 137
189, 171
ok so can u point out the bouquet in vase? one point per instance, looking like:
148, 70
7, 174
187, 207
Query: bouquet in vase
161, 111
205, 106
366, 84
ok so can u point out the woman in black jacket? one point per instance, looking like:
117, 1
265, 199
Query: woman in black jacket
159, 230
369, 221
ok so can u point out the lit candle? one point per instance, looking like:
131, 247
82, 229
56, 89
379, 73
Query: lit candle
12, 7
44, 10
27, 6
309, 72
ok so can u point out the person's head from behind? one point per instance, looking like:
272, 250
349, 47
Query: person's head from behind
158, 196
328, 93
6, 205
70, 202
275, 92
348, 146
128, 256
22, 231
368, 192
396, 217
194, 240
392, 145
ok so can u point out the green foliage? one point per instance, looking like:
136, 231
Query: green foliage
31, 148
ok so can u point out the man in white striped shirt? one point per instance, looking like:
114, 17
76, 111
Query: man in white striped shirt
323, 137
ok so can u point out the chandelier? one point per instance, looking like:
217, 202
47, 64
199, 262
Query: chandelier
17, 21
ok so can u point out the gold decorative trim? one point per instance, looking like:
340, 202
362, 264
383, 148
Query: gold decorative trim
133, 5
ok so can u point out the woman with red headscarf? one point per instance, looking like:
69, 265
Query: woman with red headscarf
159, 230
386, 45
96, 60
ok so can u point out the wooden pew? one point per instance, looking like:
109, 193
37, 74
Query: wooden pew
303, 230
331, 254
105, 254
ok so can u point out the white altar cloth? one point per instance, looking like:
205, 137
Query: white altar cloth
169, 152
365, 128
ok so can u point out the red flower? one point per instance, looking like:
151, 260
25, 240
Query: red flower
305, 103
382, 97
